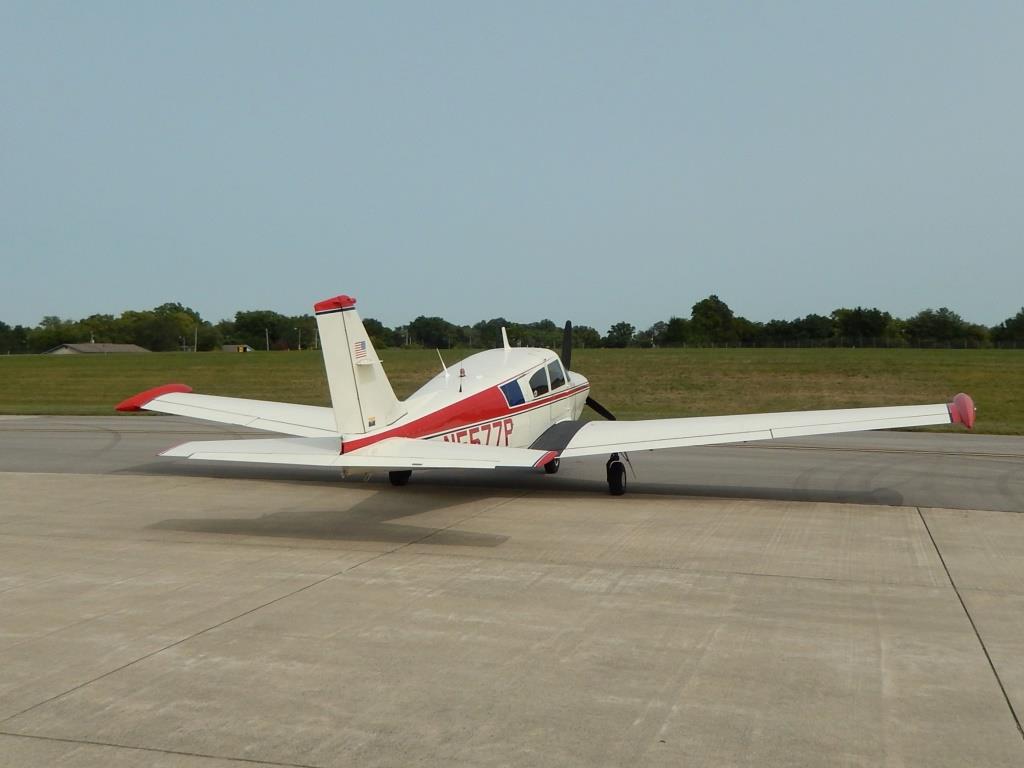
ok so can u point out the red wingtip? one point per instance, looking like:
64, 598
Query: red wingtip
962, 411
136, 402
338, 302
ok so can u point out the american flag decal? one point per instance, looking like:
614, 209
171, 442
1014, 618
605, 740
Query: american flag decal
360, 349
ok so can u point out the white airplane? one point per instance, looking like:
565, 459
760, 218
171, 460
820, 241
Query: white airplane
507, 407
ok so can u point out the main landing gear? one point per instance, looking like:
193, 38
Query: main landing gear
616, 471
400, 477
552, 466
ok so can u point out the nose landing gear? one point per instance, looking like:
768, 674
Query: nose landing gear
616, 472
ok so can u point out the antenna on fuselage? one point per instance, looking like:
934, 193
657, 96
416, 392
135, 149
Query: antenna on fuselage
443, 366
504, 338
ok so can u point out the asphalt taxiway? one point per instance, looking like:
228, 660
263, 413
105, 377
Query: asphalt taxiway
855, 600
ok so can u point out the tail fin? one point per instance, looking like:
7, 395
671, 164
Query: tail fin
361, 394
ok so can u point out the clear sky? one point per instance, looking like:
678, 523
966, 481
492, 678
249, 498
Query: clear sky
592, 161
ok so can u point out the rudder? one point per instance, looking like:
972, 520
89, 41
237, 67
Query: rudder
361, 395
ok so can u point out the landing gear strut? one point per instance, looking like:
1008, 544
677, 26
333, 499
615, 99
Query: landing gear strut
400, 477
616, 471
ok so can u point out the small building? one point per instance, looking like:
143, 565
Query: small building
93, 348
236, 348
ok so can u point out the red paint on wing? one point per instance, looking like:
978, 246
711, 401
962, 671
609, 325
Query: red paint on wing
338, 302
962, 411
137, 402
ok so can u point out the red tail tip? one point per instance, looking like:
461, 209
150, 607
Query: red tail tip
338, 302
962, 411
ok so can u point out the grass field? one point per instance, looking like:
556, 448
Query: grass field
634, 383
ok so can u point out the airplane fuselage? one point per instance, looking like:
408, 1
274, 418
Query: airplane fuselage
499, 397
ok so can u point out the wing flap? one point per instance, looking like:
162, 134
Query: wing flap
598, 437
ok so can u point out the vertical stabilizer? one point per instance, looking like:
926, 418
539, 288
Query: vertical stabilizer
361, 395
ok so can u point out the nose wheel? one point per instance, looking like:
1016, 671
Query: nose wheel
616, 472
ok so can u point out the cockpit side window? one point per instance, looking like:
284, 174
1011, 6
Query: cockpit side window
556, 375
539, 383
513, 393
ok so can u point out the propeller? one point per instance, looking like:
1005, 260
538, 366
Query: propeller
567, 344
566, 359
600, 408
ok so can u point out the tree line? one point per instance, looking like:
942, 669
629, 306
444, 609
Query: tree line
711, 322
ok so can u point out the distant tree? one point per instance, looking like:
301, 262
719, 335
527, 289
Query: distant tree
657, 333
6, 339
177, 308
940, 327
861, 326
585, 337
677, 332
487, 333
252, 327
13, 341
652, 337
51, 332
378, 333
432, 332
814, 327
780, 331
748, 331
1010, 330
711, 320
619, 335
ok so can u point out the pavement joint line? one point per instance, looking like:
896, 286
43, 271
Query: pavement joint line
376, 556
977, 634
246, 760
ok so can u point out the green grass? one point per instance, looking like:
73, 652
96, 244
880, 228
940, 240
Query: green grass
634, 383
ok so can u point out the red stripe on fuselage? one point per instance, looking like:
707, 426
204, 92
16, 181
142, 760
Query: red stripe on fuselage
477, 409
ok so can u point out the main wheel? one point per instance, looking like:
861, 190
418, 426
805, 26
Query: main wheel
551, 467
400, 477
616, 478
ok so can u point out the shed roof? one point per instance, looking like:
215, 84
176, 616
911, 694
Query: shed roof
94, 348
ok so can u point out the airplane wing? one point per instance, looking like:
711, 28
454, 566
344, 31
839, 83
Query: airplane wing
286, 418
604, 437
394, 453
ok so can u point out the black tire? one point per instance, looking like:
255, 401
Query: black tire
400, 477
616, 478
551, 467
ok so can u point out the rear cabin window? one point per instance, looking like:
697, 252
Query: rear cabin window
539, 383
556, 375
513, 393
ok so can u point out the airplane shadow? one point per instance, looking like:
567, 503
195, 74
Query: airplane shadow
370, 520
517, 481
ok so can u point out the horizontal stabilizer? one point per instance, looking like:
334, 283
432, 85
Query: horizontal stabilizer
285, 418
392, 453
